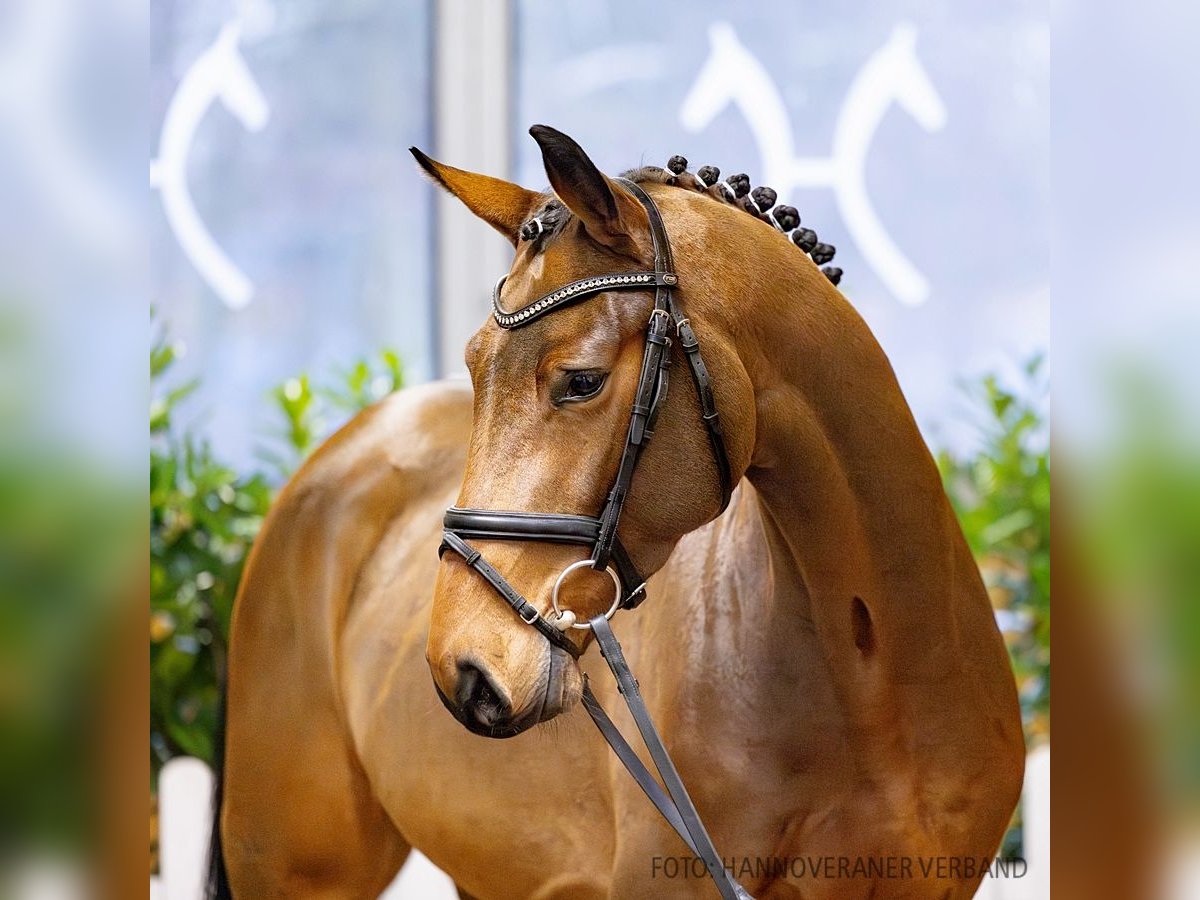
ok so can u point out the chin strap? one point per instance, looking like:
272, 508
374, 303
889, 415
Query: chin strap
674, 804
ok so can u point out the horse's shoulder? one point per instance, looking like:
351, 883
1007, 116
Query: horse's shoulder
408, 448
411, 442
410, 431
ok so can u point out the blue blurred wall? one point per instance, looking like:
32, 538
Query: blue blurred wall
321, 208
964, 200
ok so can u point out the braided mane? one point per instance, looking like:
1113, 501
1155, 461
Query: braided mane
733, 191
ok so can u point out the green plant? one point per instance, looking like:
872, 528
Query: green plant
1001, 493
307, 410
204, 516
67, 528
1133, 517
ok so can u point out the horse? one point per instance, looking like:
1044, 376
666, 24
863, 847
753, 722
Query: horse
821, 657
893, 75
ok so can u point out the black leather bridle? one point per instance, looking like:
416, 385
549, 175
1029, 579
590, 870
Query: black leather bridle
600, 532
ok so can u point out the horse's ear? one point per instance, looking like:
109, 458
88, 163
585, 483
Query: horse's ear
503, 205
609, 213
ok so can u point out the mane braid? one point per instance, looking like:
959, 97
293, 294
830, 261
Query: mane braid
733, 191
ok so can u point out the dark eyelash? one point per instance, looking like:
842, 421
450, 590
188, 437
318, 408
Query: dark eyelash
601, 378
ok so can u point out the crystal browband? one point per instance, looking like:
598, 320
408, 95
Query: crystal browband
574, 291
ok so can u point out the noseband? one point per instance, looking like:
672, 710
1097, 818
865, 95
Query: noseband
600, 532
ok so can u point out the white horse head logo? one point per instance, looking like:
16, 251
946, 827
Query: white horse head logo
893, 74
219, 74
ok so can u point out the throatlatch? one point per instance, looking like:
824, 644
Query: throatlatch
600, 532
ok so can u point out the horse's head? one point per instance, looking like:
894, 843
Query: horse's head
552, 409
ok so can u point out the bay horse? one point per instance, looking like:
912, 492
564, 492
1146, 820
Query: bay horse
821, 657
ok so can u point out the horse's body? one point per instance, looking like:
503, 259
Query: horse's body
822, 659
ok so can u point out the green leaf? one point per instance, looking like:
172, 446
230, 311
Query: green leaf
1004, 528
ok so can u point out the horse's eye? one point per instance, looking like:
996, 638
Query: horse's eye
582, 385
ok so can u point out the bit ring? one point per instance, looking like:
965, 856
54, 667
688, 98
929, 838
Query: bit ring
562, 576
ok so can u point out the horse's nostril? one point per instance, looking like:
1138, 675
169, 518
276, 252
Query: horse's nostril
479, 698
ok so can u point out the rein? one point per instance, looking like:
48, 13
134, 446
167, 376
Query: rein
600, 532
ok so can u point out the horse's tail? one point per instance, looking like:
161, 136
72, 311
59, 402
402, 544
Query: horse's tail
217, 883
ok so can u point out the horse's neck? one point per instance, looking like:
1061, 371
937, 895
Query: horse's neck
846, 483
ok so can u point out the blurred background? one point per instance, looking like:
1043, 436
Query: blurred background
292, 232
299, 268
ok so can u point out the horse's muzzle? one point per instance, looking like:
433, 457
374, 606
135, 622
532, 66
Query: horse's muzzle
484, 708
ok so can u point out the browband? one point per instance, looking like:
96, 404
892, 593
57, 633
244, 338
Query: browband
576, 290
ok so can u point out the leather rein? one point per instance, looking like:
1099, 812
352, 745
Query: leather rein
600, 532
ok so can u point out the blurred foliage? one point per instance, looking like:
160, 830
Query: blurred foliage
66, 533
306, 410
1139, 522
204, 516
70, 544
1001, 493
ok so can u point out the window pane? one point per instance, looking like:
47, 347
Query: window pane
319, 221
